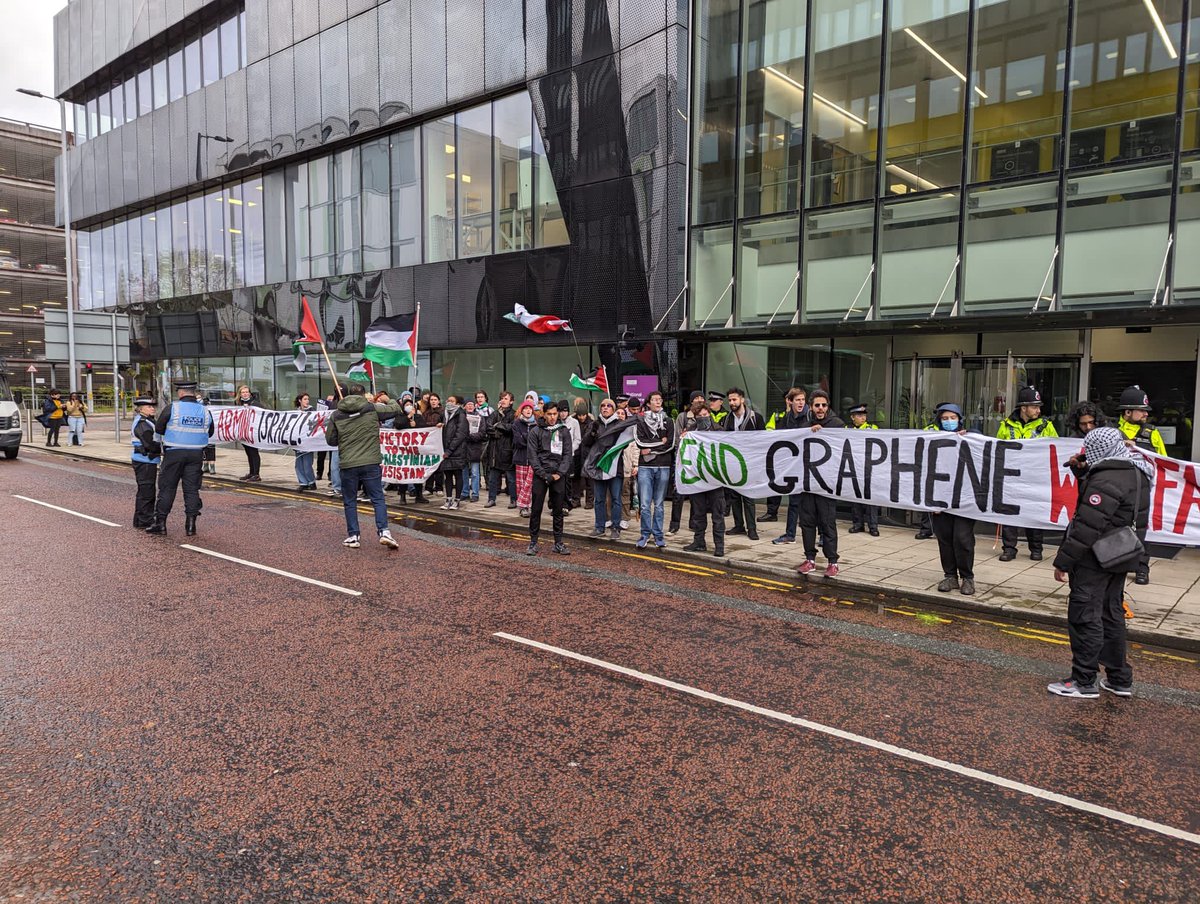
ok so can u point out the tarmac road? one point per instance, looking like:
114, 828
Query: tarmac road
180, 727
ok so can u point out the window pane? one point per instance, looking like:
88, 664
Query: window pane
105, 101
549, 226
211, 54
117, 102
712, 271
191, 65
229, 46
121, 262
347, 217
160, 84
769, 255
406, 198
215, 239
475, 181
166, 254
131, 103
93, 117
919, 254
320, 216
179, 249
1010, 245
134, 229
376, 204
715, 112
1191, 87
242, 37
79, 111
296, 195
441, 175
175, 75
1186, 284
149, 258
837, 262
197, 253
145, 92
252, 229
83, 266
772, 105
514, 173
110, 264
234, 236
277, 227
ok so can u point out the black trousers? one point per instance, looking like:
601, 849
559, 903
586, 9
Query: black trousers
1035, 537
956, 544
52, 431
253, 459
924, 524
677, 501
819, 512
581, 489
453, 482
146, 476
495, 476
184, 466
1096, 626
773, 506
1143, 566
321, 464
557, 491
864, 516
710, 503
743, 511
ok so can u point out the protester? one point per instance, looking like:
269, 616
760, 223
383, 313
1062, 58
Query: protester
54, 414
76, 409
796, 413
354, 431
407, 419
329, 403
249, 398
1135, 426
655, 442
433, 416
147, 453
522, 466
305, 477
185, 426
742, 417
863, 515
587, 427
955, 533
1025, 423
606, 489
797, 416
550, 456
481, 403
1083, 418
477, 425
710, 503
1114, 495
685, 422
498, 453
454, 451
817, 512
630, 459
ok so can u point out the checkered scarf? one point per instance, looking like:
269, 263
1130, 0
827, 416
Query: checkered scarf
1109, 444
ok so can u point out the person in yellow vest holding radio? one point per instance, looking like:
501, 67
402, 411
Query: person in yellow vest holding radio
1026, 422
863, 516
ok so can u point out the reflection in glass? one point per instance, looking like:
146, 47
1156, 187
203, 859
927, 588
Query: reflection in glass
211, 46
320, 216
105, 108
513, 118
296, 205
121, 262
276, 239
918, 264
347, 217
149, 257
837, 262
235, 237
229, 46
191, 66
215, 256
768, 270
133, 229
83, 267
474, 157
406, 198
376, 205
253, 235
713, 155
160, 84
175, 81
131, 103
145, 92
166, 253
109, 233
441, 178
550, 228
197, 263
1010, 246
712, 274
117, 103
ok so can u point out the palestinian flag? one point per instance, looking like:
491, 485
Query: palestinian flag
597, 382
392, 341
361, 372
309, 335
539, 323
609, 461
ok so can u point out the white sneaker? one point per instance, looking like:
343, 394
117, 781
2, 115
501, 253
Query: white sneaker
351, 542
333, 492
386, 539
445, 506
624, 525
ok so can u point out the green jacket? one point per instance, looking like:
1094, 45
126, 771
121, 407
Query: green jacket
1013, 427
354, 430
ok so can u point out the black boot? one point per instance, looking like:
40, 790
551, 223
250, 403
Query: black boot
719, 548
159, 527
697, 545
752, 533
189, 525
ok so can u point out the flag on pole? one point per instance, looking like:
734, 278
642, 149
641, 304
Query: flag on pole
361, 372
539, 323
309, 335
597, 382
392, 341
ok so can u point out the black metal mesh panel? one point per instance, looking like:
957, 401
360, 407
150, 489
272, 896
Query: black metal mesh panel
283, 95
112, 36
141, 25
145, 167
676, 240
75, 41
470, 303
94, 39
428, 54
156, 11
504, 43
503, 288
214, 112
335, 83
332, 12
536, 29
124, 27
257, 44
677, 94
307, 92
548, 290
306, 19
401, 299
354, 7
279, 24
75, 179
235, 116
431, 288
395, 60
464, 42
115, 165
362, 54
645, 101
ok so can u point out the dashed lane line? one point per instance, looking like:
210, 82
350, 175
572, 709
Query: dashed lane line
278, 571
882, 746
59, 508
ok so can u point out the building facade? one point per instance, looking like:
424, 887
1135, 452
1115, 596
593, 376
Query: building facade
32, 252
973, 195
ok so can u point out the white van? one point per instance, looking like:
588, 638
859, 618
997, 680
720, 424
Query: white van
10, 421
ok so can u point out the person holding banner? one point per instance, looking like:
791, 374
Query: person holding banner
955, 534
305, 478
1026, 422
354, 431
710, 503
795, 412
606, 485
819, 513
1114, 496
742, 417
253, 457
655, 439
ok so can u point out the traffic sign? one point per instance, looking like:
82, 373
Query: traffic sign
31, 369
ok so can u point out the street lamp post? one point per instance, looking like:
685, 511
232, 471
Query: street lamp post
66, 198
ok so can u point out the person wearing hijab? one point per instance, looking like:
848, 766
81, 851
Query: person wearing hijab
1113, 494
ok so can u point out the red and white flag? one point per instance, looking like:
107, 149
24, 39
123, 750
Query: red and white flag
539, 323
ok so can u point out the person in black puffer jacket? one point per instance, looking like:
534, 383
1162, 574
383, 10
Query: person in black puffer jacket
454, 450
247, 396
1114, 493
498, 453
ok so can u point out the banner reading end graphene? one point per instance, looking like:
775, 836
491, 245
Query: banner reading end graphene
1020, 483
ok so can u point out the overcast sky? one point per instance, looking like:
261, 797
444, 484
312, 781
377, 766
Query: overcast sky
27, 59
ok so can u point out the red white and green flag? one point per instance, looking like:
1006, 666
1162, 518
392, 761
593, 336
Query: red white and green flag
597, 382
392, 341
539, 323
309, 335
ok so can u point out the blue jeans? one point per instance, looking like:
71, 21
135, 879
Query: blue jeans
370, 478
652, 487
335, 471
608, 502
494, 477
470, 480
304, 469
793, 516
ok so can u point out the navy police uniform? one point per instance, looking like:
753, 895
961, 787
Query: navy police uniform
145, 458
185, 426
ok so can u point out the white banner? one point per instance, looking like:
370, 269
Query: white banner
410, 456
1017, 483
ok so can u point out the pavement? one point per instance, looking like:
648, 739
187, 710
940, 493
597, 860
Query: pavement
894, 565
455, 721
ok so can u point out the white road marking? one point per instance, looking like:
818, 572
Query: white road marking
957, 769
68, 511
281, 573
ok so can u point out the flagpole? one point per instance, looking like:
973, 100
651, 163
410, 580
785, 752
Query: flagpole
416, 339
337, 384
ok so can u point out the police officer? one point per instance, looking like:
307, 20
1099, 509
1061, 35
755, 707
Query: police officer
185, 426
1135, 425
716, 406
863, 516
1026, 422
146, 455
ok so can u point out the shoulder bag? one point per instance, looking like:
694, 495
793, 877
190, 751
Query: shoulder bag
1120, 549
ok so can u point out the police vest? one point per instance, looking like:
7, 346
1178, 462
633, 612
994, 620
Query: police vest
187, 427
1035, 429
139, 453
1143, 436
777, 416
866, 426
719, 416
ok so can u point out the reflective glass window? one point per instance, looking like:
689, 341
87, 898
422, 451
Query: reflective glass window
210, 46
175, 79
549, 227
105, 102
715, 52
768, 265
513, 117
149, 257
216, 254
1191, 86
93, 117
1186, 284
296, 205
406, 198
712, 276
83, 267
919, 256
110, 264
376, 205
441, 178
242, 37
277, 227
117, 101
230, 54
234, 236
81, 123
253, 236
1010, 245
192, 70
145, 92
166, 253
160, 84
772, 148
179, 249
838, 248
198, 253
347, 214
475, 210
121, 261
321, 216
131, 102
846, 49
